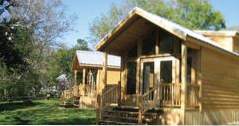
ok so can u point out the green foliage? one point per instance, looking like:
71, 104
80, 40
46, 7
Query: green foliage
25, 46
193, 14
105, 23
44, 112
61, 60
17, 74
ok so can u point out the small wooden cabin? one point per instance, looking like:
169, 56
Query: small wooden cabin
169, 74
88, 76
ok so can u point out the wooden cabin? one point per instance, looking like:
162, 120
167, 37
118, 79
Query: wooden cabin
169, 75
88, 75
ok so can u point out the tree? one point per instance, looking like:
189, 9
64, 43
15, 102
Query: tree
193, 14
61, 60
26, 50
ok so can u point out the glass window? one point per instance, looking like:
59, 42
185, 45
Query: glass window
166, 72
148, 76
149, 45
131, 78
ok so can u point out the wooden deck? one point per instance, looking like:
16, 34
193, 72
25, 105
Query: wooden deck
149, 106
74, 94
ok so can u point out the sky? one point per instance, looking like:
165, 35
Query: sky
88, 10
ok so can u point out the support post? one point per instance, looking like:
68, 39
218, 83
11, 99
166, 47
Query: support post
75, 76
83, 80
76, 83
139, 52
105, 68
157, 44
119, 93
100, 93
184, 80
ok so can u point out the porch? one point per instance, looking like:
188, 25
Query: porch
85, 80
162, 96
152, 84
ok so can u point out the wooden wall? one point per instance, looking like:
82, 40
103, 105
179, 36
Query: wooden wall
113, 77
220, 81
212, 117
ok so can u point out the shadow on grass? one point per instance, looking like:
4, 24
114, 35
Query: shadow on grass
72, 121
17, 105
44, 113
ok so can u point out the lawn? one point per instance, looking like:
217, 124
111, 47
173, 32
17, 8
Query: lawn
44, 112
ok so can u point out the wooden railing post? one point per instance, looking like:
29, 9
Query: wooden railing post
141, 109
119, 93
83, 79
98, 108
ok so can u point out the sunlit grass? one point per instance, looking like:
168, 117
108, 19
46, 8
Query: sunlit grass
44, 112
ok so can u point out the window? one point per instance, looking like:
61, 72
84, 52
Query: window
131, 78
132, 52
169, 44
166, 72
149, 45
148, 76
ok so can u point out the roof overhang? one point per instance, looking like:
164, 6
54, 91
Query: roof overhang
223, 33
136, 18
112, 39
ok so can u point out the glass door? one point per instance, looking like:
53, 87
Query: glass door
157, 71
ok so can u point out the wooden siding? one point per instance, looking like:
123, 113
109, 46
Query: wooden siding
113, 77
220, 81
222, 117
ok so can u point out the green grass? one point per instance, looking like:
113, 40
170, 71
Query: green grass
44, 112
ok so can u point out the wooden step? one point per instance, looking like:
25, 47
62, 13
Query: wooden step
120, 117
124, 112
115, 123
124, 115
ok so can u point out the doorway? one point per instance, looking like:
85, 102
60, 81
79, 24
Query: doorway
157, 71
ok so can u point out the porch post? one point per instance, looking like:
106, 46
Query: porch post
105, 68
139, 52
101, 87
157, 44
75, 79
184, 80
83, 80
83, 77
75, 76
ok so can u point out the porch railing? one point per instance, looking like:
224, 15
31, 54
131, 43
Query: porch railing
110, 96
83, 89
169, 95
164, 95
66, 94
161, 96
192, 95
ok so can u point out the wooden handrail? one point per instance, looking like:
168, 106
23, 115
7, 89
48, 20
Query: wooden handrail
193, 95
110, 96
162, 95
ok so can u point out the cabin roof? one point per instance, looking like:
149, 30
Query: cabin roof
96, 59
173, 28
226, 33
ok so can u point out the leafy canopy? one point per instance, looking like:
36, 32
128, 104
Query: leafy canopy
193, 14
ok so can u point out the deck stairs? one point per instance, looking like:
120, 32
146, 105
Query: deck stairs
126, 115
133, 115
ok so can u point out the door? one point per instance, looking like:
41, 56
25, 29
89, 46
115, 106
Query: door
148, 76
157, 71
